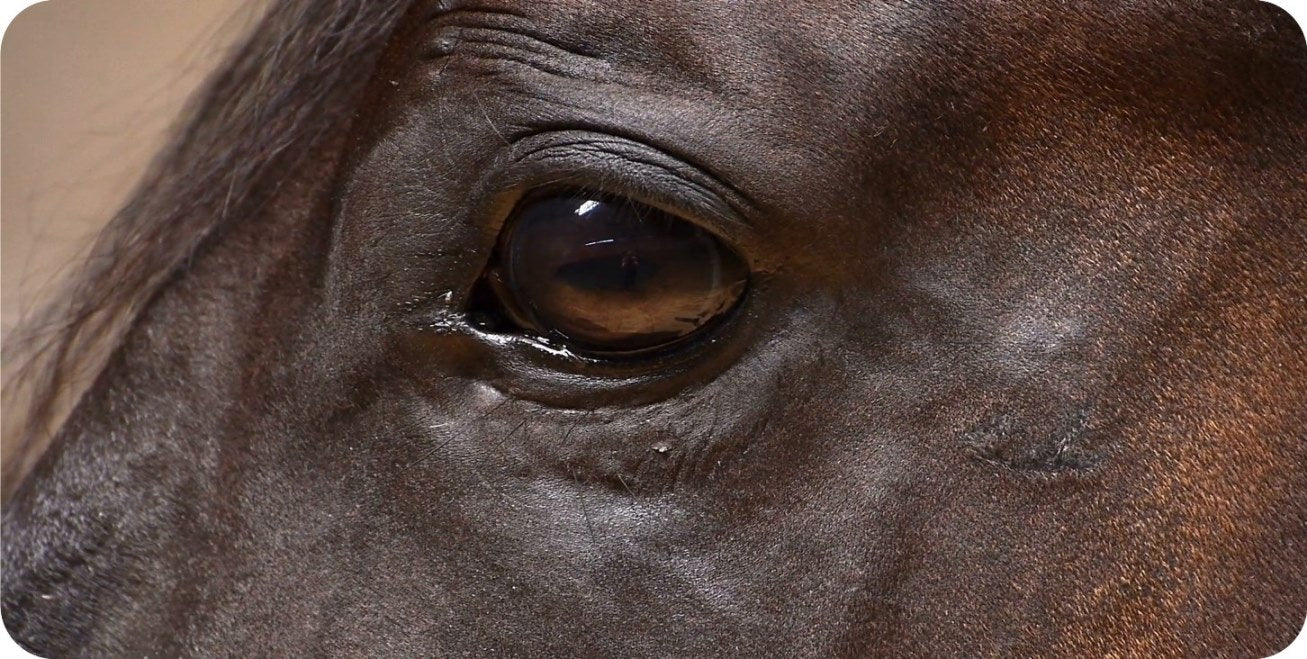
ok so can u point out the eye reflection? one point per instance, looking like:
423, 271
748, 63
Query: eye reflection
610, 275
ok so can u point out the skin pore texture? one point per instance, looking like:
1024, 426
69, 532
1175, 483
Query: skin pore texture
1018, 370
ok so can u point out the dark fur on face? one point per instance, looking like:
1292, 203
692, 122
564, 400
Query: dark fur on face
1018, 370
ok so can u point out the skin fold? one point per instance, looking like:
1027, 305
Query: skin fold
1018, 370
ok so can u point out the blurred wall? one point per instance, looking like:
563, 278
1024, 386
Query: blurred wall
87, 90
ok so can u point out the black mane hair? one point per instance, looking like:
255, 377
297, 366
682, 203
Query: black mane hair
298, 73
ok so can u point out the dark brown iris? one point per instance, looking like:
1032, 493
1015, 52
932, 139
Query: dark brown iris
611, 275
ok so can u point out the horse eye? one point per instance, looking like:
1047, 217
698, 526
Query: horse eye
611, 276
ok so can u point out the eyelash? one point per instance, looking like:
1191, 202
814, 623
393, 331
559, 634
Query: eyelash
618, 166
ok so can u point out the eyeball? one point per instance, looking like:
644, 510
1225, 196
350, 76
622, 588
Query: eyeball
609, 275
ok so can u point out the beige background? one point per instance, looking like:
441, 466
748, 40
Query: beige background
87, 90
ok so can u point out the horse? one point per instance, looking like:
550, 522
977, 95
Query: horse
592, 328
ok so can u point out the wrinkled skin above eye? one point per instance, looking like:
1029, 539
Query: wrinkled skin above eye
611, 275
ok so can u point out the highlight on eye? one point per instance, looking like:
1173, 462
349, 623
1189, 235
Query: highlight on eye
606, 275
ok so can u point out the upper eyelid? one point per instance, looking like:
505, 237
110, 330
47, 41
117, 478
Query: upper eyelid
672, 172
643, 173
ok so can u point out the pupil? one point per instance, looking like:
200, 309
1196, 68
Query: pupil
612, 275
622, 272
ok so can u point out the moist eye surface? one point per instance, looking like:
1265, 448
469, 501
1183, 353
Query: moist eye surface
609, 275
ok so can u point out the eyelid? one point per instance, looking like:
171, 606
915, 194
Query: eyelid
613, 165
605, 164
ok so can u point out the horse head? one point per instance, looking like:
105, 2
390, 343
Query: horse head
577, 327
